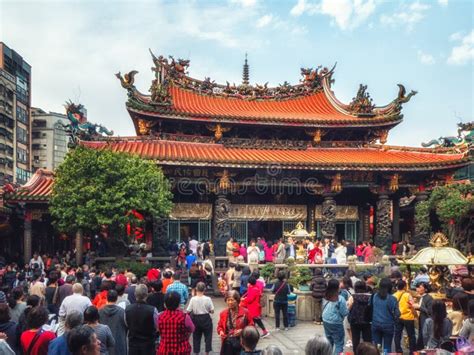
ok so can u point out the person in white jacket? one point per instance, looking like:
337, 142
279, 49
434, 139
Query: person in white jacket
253, 253
340, 253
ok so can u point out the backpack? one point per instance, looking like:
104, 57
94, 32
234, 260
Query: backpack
358, 312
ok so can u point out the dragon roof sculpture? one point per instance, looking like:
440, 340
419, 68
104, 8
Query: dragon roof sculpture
79, 128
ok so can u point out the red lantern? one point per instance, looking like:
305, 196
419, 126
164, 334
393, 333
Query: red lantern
137, 232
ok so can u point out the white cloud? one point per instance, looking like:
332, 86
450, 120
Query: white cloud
443, 3
346, 14
245, 3
464, 52
425, 58
408, 16
264, 21
303, 6
456, 36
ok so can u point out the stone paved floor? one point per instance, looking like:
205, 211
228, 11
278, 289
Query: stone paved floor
292, 341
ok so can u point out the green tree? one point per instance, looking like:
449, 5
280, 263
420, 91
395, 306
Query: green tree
98, 187
452, 205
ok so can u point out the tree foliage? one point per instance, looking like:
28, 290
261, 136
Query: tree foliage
452, 205
94, 188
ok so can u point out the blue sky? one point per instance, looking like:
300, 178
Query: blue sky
75, 47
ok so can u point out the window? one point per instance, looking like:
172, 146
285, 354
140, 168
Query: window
36, 135
36, 146
39, 123
22, 95
21, 135
21, 114
21, 155
22, 176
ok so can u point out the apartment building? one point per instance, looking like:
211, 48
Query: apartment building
15, 117
48, 139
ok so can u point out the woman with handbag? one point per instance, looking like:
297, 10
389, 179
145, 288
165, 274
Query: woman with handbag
200, 308
334, 311
407, 317
251, 301
281, 289
231, 323
35, 340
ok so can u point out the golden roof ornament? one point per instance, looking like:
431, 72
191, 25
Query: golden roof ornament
299, 232
439, 240
439, 253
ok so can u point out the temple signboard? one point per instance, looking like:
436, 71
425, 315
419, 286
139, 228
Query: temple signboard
343, 213
268, 212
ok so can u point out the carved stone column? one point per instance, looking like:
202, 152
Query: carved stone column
422, 233
160, 237
328, 223
221, 230
27, 237
383, 234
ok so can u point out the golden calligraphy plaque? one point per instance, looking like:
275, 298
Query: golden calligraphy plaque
343, 213
268, 212
191, 211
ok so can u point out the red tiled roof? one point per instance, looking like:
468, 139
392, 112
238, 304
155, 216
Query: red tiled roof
37, 189
372, 158
314, 108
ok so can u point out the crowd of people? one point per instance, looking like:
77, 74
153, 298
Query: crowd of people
49, 306
361, 309
325, 251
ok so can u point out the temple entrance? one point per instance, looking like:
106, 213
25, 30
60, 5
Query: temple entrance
270, 230
183, 230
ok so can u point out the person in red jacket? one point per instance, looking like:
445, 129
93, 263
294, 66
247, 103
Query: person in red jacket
35, 340
100, 299
175, 327
251, 301
231, 323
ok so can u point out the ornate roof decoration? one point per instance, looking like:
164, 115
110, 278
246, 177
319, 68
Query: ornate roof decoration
371, 157
37, 189
311, 102
79, 128
464, 139
362, 103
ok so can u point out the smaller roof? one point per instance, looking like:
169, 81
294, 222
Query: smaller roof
37, 189
438, 254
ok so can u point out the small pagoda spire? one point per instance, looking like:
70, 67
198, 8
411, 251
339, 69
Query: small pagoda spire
245, 74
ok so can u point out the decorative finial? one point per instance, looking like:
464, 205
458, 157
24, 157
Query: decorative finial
245, 75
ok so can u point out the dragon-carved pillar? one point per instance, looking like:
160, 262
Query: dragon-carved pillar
221, 225
422, 232
383, 233
328, 224
160, 236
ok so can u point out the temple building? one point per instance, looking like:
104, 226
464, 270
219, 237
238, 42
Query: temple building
253, 161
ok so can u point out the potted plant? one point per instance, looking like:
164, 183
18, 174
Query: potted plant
300, 277
268, 274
